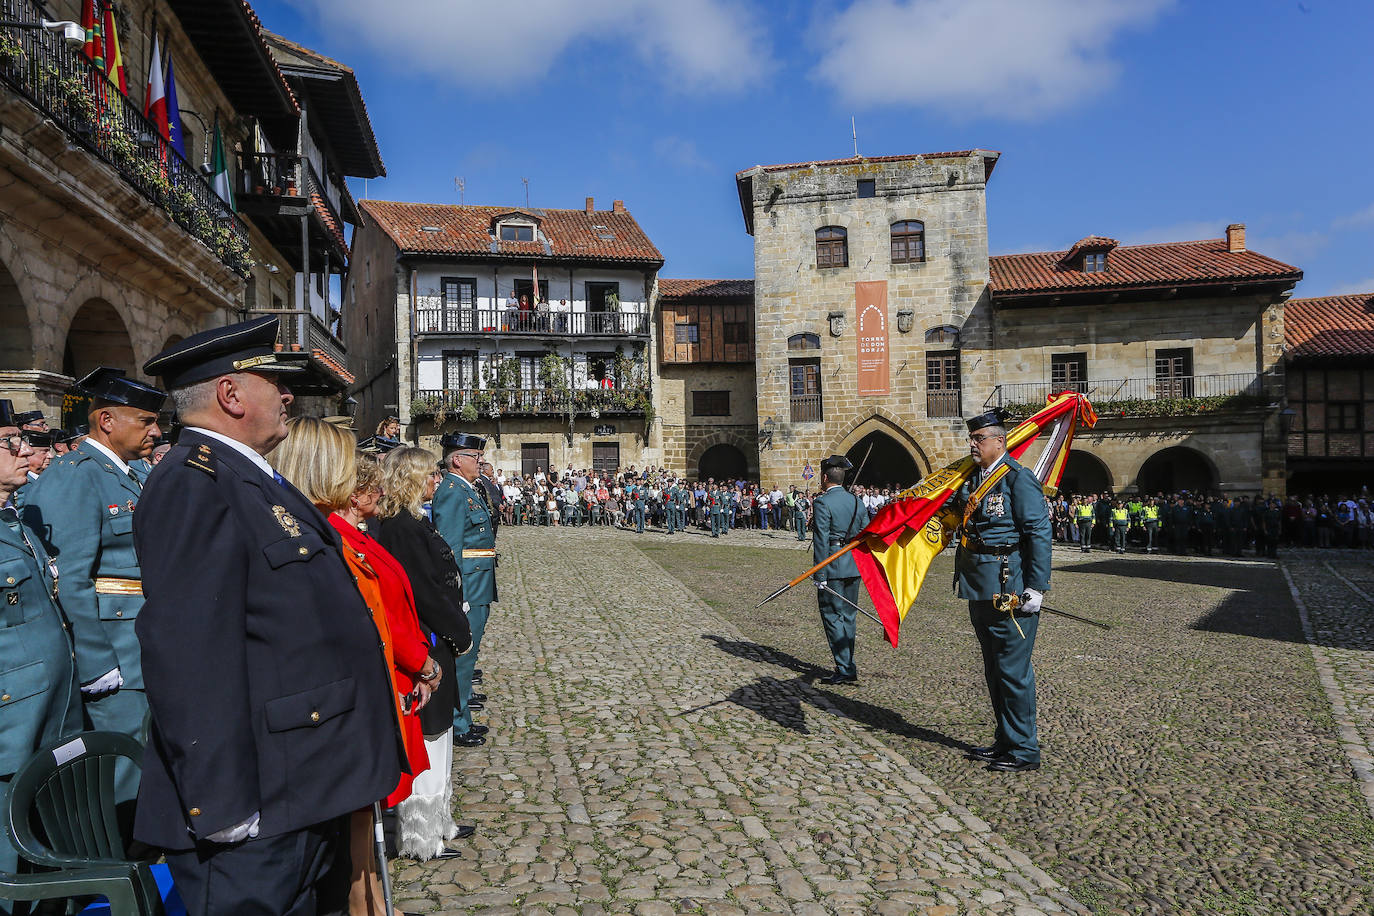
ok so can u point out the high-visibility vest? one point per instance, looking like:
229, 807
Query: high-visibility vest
1085, 512
1118, 516
1152, 513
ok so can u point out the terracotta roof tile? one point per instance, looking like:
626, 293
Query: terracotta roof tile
261, 34
327, 217
860, 160
602, 235
1329, 326
1135, 266
722, 289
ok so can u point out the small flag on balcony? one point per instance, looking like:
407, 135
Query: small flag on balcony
219, 169
174, 132
114, 57
95, 41
155, 97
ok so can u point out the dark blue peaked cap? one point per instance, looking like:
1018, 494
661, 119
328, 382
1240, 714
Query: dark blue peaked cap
107, 384
451, 442
247, 347
994, 417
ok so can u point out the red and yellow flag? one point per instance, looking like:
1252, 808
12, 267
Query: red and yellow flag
114, 57
897, 546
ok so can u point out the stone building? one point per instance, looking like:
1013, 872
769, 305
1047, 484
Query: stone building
113, 244
1329, 354
526, 325
881, 321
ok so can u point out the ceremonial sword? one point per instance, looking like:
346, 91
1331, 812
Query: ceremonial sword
1043, 608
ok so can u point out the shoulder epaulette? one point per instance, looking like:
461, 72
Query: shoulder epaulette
202, 459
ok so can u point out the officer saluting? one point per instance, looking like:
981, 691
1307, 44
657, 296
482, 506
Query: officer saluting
837, 518
1004, 550
84, 506
273, 717
460, 514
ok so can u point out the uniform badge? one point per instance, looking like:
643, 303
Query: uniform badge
994, 506
131, 505
114, 510
12, 597
287, 521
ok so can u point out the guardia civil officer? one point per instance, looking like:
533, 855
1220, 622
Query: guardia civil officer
84, 506
837, 517
273, 717
1004, 548
462, 517
40, 703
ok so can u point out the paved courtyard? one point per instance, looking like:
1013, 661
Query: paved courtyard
659, 746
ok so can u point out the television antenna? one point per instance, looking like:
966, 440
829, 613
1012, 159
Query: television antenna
527, 191
460, 185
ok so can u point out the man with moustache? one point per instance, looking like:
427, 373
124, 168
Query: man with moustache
84, 507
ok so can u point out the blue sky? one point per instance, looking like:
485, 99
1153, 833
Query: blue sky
1143, 120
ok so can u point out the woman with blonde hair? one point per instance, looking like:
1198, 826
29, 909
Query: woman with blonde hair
409, 477
322, 461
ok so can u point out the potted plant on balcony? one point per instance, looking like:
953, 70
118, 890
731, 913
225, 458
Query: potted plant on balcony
468, 413
11, 52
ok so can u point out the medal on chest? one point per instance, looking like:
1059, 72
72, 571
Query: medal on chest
994, 505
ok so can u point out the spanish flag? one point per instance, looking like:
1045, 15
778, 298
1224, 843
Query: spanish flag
894, 551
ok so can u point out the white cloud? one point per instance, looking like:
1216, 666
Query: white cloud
1186, 231
714, 45
1020, 59
680, 152
1362, 217
1349, 289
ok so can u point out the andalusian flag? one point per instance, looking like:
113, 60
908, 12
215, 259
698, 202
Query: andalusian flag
895, 550
219, 169
114, 57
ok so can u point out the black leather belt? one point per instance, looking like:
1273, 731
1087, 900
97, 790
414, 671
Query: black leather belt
973, 545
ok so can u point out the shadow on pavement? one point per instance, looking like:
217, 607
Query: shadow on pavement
755, 652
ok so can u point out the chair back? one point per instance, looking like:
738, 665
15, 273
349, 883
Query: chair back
68, 790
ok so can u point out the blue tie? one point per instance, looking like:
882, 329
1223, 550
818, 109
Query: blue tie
278, 478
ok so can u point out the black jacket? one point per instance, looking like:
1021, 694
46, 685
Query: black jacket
267, 681
438, 587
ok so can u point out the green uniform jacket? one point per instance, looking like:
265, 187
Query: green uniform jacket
37, 672
837, 518
83, 506
1012, 512
461, 517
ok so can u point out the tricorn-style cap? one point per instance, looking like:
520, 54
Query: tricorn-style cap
28, 416
993, 417
37, 439
7, 417
247, 347
836, 461
379, 445
108, 384
454, 441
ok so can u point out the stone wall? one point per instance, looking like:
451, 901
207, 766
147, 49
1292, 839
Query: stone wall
373, 292
687, 436
505, 438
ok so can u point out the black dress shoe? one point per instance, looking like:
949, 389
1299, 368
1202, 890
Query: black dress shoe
476, 675
480, 697
1012, 765
464, 831
474, 704
840, 680
479, 729
448, 854
985, 754
468, 739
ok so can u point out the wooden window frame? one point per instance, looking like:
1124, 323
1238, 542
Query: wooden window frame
515, 228
710, 403
686, 333
1062, 379
869, 185
1337, 423
903, 240
943, 386
1094, 262
832, 247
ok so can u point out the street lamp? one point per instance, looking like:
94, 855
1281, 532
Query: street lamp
73, 32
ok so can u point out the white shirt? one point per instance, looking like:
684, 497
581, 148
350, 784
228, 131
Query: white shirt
104, 450
984, 472
239, 447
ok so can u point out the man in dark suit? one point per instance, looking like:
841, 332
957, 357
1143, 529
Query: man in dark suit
1004, 549
837, 518
270, 694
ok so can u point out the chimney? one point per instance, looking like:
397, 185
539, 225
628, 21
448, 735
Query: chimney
1235, 237
591, 205
618, 206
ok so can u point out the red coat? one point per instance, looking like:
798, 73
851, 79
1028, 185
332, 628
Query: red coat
407, 643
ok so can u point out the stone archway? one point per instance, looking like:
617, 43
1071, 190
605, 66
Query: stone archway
893, 432
1084, 473
881, 461
747, 450
16, 343
97, 337
722, 461
1175, 469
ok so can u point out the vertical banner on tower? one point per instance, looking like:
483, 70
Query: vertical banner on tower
870, 304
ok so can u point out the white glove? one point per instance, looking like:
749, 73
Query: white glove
1031, 601
467, 608
110, 681
820, 585
237, 833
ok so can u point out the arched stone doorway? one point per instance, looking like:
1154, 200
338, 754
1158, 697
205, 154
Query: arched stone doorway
16, 343
723, 462
97, 337
1175, 469
889, 464
1084, 473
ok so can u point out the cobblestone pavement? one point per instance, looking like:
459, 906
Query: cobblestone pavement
1332, 589
634, 767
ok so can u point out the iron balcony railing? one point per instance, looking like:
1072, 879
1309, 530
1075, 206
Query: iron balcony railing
63, 84
531, 321
806, 408
1143, 397
495, 402
270, 174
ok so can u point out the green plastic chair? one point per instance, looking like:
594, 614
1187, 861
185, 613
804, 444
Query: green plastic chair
67, 789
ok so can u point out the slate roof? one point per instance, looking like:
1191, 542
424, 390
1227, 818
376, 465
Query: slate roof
715, 289
1329, 326
1169, 264
602, 235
